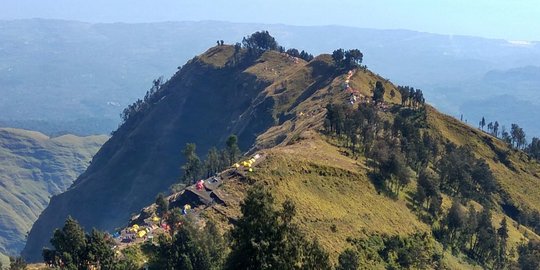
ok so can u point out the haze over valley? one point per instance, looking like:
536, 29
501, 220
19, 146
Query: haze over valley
237, 135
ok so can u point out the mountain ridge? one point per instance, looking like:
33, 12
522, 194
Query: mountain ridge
112, 64
272, 103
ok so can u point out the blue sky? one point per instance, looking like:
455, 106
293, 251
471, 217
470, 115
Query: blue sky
508, 19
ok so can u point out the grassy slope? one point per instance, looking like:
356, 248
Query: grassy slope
332, 189
523, 183
32, 168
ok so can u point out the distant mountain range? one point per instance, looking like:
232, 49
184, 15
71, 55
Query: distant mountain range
55, 74
34, 167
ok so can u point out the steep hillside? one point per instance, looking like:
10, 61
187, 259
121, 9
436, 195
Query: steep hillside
277, 106
34, 167
205, 102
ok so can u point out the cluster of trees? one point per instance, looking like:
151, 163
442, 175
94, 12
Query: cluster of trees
216, 160
302, 55
411, 97
463, 175
75, 249
516, 137
152, 96
529, 255
357, 127
529, 218
416, 251
347, 60
263, 238
534, 148
473, 233
190, 247
400, 150
395, 147
267, 238
259, 42
428, 193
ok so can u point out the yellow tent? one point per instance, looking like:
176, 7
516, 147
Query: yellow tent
155, 219
250, 170
236, 165
142, 233
135, 226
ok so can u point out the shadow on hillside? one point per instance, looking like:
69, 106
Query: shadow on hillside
379, 183
419, 210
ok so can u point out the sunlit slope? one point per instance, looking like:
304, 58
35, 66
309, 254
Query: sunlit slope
518, 176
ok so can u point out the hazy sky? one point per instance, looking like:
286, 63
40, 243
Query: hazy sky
509, 19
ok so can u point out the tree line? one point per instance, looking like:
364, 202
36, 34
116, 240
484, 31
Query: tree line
263, 238
400, 150
216, 160
254, 45
347, 59
411, 97
266, 237
153, 95
515, 137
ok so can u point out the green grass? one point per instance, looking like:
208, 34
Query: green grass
34, 167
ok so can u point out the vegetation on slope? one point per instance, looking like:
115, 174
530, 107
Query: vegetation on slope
370, 176
222, 92
33, 168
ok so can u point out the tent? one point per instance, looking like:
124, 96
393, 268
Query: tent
141, 234
200, 185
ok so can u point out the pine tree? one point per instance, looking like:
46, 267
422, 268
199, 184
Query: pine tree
378, 92
265, 238
193, 166
502, 233
162, 204
212, 163
255, 238
70, 244
232, 149
99, 250
455, 221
